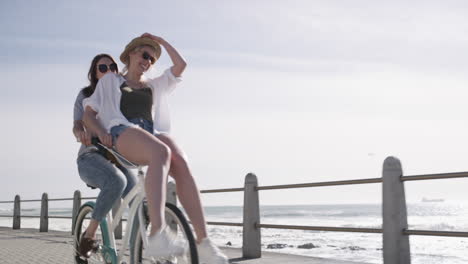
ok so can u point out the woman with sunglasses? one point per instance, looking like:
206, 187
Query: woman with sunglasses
134, 113
94, 168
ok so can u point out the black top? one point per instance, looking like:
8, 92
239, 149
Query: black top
136, 103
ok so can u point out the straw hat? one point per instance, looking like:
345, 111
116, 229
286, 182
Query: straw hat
137, 42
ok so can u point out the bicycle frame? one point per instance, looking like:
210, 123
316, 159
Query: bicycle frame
136, 194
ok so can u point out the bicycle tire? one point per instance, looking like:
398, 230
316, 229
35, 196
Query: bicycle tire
84, 214
137, 243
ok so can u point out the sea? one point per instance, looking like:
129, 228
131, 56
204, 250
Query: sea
359, 247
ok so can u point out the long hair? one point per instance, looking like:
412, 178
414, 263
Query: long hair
92, 76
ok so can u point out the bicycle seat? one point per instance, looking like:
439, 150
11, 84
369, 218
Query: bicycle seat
116, 155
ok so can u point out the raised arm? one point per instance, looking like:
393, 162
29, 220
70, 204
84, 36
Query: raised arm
179, 62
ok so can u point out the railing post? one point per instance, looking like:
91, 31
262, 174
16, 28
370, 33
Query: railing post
171, 194
118, 229
44, 220
17, 213
396, 249
171, 197
76, 207
251, 237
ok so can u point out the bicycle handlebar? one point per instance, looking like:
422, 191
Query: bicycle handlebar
116, 155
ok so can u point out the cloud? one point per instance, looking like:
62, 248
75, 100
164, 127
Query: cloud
277, 88
316, 35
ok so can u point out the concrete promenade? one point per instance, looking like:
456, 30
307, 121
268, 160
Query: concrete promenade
53, 247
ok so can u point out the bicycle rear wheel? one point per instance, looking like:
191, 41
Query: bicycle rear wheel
82, 222
176, 220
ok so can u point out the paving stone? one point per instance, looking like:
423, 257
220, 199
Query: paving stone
56, 247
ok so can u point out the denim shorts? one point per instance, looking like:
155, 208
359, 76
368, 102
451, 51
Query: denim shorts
147, 125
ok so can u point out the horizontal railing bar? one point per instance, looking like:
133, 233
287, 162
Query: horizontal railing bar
319, 184
435, 233
61, 199
88, 198
54, 199
225, 223
59, 217
323, 228
435, 176
305, 185
123, 219
223, 190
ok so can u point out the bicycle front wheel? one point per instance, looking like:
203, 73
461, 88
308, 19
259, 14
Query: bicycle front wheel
176, 220
82, 222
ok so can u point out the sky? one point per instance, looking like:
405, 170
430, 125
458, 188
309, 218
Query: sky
293, 91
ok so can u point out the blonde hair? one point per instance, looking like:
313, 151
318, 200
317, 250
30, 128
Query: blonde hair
127, 62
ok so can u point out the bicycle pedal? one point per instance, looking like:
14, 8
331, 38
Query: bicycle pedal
97, 249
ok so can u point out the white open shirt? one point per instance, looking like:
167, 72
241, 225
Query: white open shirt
106, 101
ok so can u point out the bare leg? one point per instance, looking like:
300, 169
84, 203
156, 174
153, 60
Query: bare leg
143, 148
187, 189
91, 230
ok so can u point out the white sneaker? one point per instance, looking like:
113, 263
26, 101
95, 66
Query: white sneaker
164, 244
209, 253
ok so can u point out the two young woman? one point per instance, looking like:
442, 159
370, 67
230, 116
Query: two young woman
130, 113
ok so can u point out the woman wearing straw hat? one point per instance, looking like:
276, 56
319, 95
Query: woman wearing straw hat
133, 117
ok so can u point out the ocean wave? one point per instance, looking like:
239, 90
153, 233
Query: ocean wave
376, 226
284, 214
337, 245
316, 214
435, 226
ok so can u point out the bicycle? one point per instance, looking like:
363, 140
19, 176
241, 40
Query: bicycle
135, 238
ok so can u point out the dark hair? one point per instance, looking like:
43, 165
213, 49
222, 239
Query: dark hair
92, 76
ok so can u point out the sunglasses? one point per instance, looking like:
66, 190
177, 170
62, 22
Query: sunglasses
146, 56
103, 68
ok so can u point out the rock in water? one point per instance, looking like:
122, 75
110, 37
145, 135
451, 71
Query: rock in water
307, 246
353, 248
276, 246
356, 248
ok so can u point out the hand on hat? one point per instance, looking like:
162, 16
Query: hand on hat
177, 60
157, 39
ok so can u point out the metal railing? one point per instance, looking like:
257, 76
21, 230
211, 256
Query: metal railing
394, 229
44, 212
396, 248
